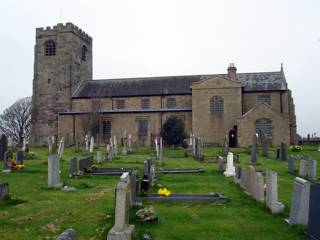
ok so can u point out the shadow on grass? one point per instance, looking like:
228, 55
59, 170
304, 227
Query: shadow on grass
9, 201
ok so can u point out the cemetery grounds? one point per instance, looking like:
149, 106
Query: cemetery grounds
37, 212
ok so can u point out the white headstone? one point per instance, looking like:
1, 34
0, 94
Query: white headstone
91, 144
86, 139
230, 170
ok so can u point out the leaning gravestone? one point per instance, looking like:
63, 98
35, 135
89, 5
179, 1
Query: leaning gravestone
54, 171
254, 150
312, 170
4, 191
3, 146
283, 150
121, 229
272, 193
300, 202
314, 212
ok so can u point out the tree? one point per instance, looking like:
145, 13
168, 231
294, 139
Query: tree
173, 131
15, 122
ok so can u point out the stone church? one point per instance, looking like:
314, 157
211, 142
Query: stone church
68, 102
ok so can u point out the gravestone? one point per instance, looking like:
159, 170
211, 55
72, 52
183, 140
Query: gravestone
161, 151
68, 234
73, 166
278, 153
4, 191
130, 143
264, 142
125, 144
303, 170
99, 157
225, 145
258, 189
54, 171
19, 157
109, 152
283, 151
251, 180
86, 140
121, 230
157, 148
61, 148
152, 175
237, 177
270, 154
115, 147
133, 183
314, 212
85, 163
272, 193
299, 211
254, 150
312, 170
220, 164
291, 165
7, 161
3, 146
230, 170
91, 144
244, 178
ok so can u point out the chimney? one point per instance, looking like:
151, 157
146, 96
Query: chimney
232, 71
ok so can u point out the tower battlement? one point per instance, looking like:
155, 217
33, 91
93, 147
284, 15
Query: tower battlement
60, 27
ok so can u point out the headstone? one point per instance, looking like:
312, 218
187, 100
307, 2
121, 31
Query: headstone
121, 229
125, 144
314, 212
278, 153
115, 148
133, 183
73, 166
270, 154
109, 152
283, 151
230, 170
237, 177
85, 163
254, 150
54, 171
220, 164
303, 170
193, 145
157, 148
291, 165
61, 148
312, 170
264, 141
225, 145
91, 144
130, 143
244, 178
19, 157
3, 146
7, 161
86, 139
272, 193
99, 157
251, 180
161, 151
4, 191
68, 234
299, 211
258, 190
152, 175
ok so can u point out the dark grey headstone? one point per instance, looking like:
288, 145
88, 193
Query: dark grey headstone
220, 164
3, 146
283, 151
314, 212
19, 157
68, 234
85, 163
73, 166
4, 191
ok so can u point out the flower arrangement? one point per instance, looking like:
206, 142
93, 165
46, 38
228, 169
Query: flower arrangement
295, 148
164, 192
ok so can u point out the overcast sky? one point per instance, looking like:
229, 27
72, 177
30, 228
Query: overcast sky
136, 38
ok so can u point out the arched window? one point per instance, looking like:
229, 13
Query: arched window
216, 105
264, 125
50, 48
84, 51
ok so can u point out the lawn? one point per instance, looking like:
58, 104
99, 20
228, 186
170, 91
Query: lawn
36, 212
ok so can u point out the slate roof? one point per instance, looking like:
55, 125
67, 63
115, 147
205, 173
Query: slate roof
173, 85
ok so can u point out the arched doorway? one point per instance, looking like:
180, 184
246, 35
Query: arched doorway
233, 137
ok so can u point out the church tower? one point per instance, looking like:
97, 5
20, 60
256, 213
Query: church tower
62, 59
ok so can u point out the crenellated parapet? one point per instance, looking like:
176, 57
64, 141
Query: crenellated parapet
60, 27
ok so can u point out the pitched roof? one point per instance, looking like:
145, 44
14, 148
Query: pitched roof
173, 85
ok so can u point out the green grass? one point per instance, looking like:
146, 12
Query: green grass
36, 212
